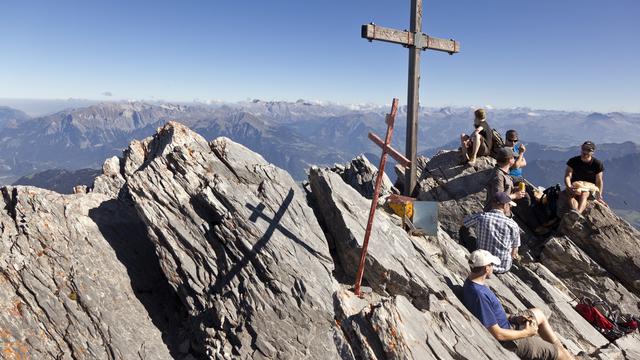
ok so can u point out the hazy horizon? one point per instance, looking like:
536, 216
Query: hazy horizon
35, 107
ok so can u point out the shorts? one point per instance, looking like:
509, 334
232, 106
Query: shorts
483, 150
585, 186
532, 347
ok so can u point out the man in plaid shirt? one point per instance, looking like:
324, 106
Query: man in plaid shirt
497, 233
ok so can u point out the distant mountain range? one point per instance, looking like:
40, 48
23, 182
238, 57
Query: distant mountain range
295, 135
292, 135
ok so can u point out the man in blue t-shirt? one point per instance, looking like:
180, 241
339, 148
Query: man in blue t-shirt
511, 140
517, 333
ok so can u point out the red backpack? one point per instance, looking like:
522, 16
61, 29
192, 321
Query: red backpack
612, 326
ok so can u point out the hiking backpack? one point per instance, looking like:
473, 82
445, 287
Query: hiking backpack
497, 141
549, 200
610, 328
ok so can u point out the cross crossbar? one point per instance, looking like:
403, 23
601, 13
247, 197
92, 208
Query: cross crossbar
419, 40
401, 159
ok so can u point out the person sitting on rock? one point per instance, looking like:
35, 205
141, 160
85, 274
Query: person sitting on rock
479, 143
584, 177
495, 232
517, 332
500, 180
511, 140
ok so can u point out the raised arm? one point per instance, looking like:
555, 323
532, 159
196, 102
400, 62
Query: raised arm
520, 160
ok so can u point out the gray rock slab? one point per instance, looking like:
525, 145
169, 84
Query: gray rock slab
611, 242
584, 277
239, 244
361, 174
629, 345
65, 290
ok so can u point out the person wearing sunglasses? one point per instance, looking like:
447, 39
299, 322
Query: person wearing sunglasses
512, 141
584, 178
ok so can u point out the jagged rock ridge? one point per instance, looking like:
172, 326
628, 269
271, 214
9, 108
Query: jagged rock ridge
232, 259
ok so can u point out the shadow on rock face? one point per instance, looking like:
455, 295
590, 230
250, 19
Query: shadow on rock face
126, 233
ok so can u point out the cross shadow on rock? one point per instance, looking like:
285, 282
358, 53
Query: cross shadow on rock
121, 226
274, 224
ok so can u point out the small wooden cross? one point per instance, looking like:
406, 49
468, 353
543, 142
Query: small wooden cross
416, 41
386, 149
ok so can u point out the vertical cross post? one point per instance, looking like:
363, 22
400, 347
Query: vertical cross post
413, 102
416, 41
386, 149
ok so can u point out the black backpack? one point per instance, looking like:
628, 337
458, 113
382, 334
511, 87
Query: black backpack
550, 200
497, 141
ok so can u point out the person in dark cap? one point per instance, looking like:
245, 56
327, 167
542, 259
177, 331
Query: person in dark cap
495, 232
500, 180
517, 332
584, 178
479, 143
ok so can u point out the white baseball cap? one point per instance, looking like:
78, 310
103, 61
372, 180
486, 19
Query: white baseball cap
482, 258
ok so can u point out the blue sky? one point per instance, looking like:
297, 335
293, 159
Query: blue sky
550, 54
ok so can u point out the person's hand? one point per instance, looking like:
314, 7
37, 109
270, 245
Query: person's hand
600, 200
519, 320
522, 148
530, 328
519, 195
515, 256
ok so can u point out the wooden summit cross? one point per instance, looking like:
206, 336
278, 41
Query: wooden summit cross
416, 41
386, 149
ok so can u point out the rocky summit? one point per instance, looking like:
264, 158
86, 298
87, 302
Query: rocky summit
185, 248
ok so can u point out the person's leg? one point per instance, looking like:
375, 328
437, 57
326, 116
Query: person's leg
573, 203
544, 329
547, 334
476, 138
582, 201
464, 147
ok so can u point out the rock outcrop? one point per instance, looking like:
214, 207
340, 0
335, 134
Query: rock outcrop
361, 174
240, 246
189, 249
610, 241
70, 287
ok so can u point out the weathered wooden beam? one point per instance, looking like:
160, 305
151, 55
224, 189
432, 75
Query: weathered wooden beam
401, 159
422, 41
